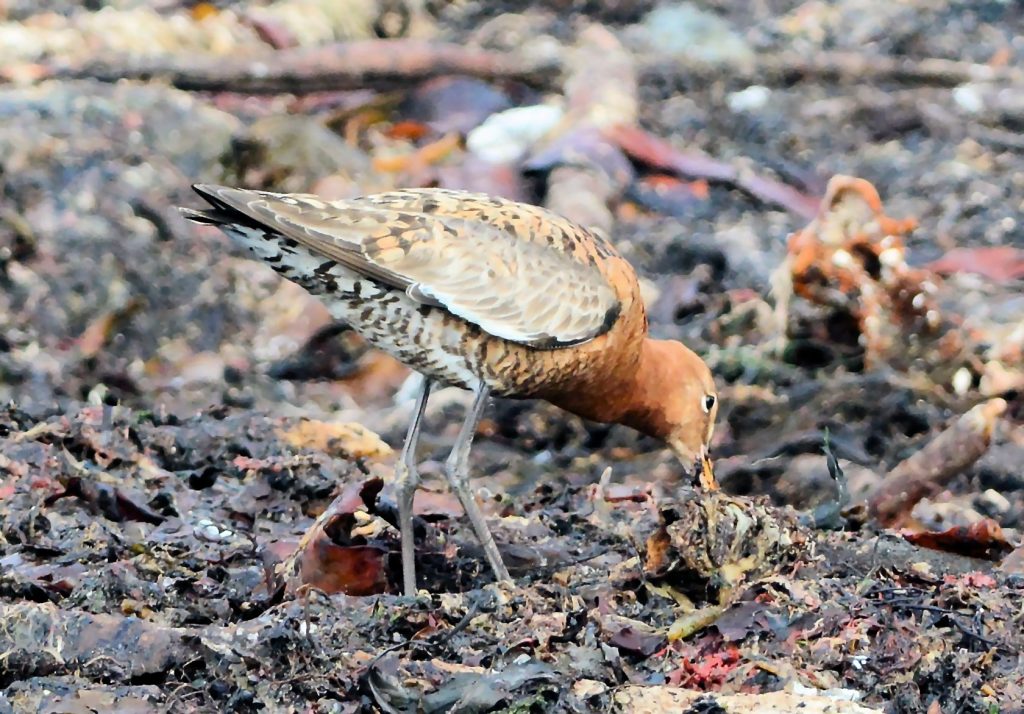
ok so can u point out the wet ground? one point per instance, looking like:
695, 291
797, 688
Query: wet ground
171, 430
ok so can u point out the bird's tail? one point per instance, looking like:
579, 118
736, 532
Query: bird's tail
286, 257
212, 217
221, 213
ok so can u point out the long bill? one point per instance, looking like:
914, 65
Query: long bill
706, 474
698, 467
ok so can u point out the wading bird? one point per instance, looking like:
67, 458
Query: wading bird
497, 297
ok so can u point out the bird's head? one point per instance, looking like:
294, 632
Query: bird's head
679, 404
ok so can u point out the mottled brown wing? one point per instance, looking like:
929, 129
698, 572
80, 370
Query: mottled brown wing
518, 272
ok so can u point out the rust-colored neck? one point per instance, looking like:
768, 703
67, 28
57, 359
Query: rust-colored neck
645, 404
636, 393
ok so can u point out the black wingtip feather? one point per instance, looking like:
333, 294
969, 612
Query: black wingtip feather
205, 217
222, 212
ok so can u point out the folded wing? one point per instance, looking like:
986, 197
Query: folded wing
518, 272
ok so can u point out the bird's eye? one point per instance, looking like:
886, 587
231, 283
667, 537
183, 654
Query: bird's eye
709, 402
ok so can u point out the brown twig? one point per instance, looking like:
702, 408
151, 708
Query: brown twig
693, 163
935, 465
787, 67
350, 65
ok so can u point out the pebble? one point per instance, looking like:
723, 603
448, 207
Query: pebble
968, 98
207, 530
750, 99
993, 502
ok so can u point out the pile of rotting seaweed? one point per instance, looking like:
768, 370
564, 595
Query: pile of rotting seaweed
144, 567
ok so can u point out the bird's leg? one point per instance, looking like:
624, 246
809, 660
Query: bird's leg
457, 470
407, 478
